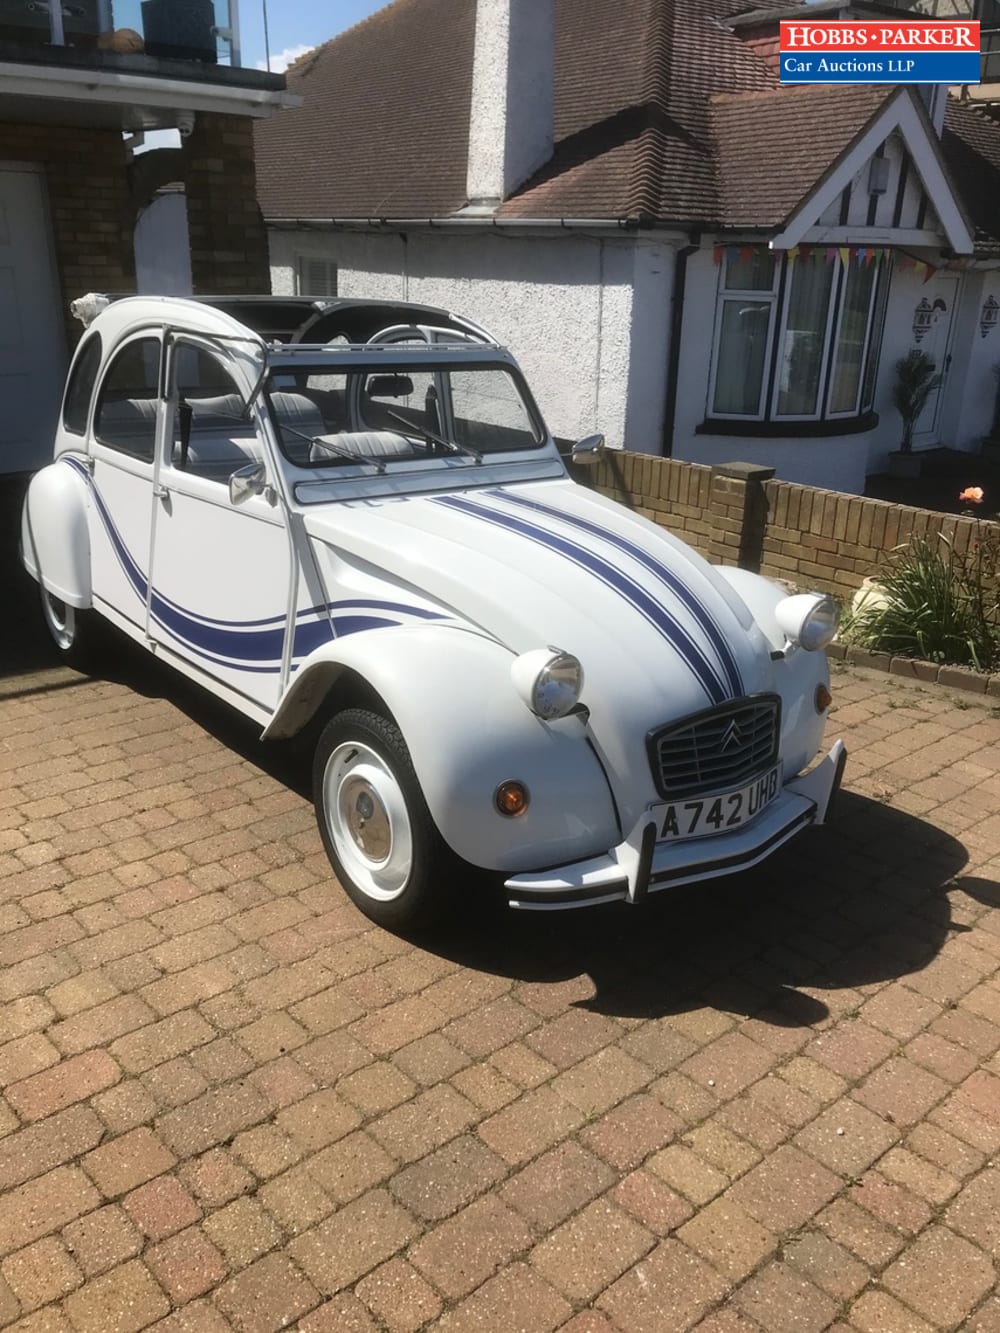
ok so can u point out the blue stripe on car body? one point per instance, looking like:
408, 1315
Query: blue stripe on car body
258, 644
637, 597
661, 571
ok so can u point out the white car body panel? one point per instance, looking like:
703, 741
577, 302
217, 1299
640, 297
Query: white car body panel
425, 580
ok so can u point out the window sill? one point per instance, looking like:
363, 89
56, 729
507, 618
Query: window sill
789, 430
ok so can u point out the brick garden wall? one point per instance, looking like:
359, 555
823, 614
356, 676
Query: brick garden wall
737, 514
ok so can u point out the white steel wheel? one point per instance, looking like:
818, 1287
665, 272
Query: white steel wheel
60, 620
374, 821
369, 824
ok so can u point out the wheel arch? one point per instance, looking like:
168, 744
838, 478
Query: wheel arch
449, 691
55, 538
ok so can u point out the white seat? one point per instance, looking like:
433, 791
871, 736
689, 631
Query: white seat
364, 443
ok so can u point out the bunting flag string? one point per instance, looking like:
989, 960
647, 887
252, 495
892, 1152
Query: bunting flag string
863, 256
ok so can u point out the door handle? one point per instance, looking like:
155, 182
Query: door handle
161, 493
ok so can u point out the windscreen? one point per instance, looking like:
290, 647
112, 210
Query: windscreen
327, 417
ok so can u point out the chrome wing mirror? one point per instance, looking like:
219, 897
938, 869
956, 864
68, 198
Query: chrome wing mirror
247, 481
587, 451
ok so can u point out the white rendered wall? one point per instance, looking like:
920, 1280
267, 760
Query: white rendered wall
587, 318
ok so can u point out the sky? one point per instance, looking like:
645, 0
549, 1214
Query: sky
296, 25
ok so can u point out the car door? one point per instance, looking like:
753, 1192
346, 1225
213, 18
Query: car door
222, 572
123, 443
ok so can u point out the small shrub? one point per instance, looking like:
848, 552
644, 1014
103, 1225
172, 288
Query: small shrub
940, 605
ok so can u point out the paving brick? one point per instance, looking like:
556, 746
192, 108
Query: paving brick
267, 1296
351, 1166
423, 1124
522, 1065
728, 1238
652, 1202
530, 1125
48, 1143
851, 1050
318, 1120
847, 1138
688, 1173
878, 1312
784, 1301
101, 1025
376, 1088
941, 1276
718, 1146
462, 1252
826, 1264
213, 1118
127, 1162
860, 1232
343, 1314
70, 1081
186, 1265
516, 1298
729, 1065
670, 1278
589, 1252
24, 1056
216, 1178
122, 1301
161, 1207
41, 1273
901, 1091
102, 1239
891, 1203
160, 1042
918, 1176
786, 1189
243, 1231
572, 1037
431, 1059
976, 1212
296, 1201
448, 1179
399, 1296
353, 1241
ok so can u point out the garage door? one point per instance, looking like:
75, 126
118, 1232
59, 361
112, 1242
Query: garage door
32, 342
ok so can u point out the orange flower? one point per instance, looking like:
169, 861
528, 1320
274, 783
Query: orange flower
972, 495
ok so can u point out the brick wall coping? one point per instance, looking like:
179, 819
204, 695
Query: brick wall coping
912, 668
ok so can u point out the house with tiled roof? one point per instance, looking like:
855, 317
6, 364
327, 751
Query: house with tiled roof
685, 254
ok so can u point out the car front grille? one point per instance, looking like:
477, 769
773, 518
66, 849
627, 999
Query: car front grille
718, 750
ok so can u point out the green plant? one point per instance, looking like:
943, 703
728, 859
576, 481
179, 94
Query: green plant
916, 379
940, 605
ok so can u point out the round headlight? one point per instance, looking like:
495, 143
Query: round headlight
549, 681
809, 620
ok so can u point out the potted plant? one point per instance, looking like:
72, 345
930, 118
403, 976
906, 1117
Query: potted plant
916, 380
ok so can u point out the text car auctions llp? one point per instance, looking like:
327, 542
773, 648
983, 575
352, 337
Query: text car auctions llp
835, 52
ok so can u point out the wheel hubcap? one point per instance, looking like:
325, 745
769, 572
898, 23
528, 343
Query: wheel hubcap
368, 822
367, 819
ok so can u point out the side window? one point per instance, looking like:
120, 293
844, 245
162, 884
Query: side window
81, 385
211, 434
126, 412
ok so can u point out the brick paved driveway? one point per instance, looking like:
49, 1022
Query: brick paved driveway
772, 1103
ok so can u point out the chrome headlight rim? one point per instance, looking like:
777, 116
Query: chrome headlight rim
809, 620
549, 680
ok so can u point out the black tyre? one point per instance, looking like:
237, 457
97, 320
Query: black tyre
375, 825
77, 635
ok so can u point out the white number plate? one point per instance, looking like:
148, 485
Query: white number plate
704, 816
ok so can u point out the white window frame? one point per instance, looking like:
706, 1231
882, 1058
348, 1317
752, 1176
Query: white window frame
778, 298
758, 296
301, 261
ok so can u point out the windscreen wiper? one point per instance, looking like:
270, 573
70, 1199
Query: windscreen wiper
325, 442
450, 445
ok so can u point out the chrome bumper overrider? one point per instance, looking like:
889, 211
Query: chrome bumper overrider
640, 865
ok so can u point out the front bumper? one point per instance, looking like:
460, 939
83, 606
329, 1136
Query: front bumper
640, 866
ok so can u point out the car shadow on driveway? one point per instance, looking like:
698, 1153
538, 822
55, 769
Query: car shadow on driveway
857, 903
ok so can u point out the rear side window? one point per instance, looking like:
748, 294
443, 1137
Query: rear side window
126, 413
81, 385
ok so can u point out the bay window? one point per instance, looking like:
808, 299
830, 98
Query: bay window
797, 337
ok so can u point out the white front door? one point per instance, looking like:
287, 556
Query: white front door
32, 342
221, 572
941, 294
